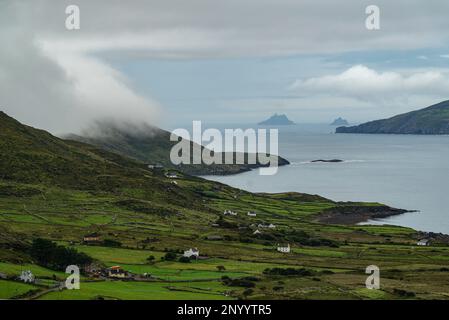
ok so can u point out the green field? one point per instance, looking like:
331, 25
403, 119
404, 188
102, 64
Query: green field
61, 190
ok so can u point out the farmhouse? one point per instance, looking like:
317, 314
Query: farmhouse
27, 276
229, 212
283, 248
155, 166
251, 214
92, 238
256, 232
116, 272
192, 252
171, 175
424, 242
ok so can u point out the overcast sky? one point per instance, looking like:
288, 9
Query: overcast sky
169, 62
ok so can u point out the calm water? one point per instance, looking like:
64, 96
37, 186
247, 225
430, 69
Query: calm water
404, 171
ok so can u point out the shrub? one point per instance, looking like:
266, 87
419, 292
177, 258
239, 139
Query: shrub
288, 272
403, 293
112, 243
170, 256
184, 259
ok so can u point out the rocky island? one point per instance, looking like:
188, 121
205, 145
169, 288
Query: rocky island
276, 120
340, 122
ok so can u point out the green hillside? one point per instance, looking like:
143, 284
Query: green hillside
152, 146
61, 190
431, 120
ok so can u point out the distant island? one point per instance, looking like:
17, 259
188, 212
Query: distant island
276, 120
431, 120
340, 122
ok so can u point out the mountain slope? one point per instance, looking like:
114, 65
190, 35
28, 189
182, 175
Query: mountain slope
431, 120
152, 146
35, 157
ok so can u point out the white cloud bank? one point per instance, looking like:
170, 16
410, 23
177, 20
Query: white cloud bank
55, 87
363, 83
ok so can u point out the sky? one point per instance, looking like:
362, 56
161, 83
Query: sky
168, 62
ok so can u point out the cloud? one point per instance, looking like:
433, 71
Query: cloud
445, 56
363, 83
56, 88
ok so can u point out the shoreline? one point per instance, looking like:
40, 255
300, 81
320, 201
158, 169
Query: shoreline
355, 214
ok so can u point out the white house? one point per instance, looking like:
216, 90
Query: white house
171, 175
424, 242
27, 277
192, 252
257, 232
229, 212
271, 226
252, 214
283, 249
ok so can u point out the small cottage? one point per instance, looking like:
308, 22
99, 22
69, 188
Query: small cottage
230, 213
92, 238
424, 242
116, 272
171, 175
27, 277
256, 232
252, 214
155, 166
192, 253
284, 248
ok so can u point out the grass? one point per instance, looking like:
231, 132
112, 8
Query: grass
142, 291
11, 289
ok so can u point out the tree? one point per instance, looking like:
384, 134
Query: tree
150, 259
170, 256
221, 268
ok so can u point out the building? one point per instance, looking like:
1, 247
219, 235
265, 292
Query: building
192, 253
256, 232
252, 214
284, 248
155, 166
271, 226
229, 212
171, 175
424, 242
27, 276
92, 238
117, 272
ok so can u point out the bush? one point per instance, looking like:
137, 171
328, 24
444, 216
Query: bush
403, 293
248, 292
288, 272
170, 256
238, 282
112, 243
184, 259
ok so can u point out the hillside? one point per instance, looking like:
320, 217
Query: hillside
431, 120
63, 190
152, 146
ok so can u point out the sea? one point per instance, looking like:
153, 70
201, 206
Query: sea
403, 171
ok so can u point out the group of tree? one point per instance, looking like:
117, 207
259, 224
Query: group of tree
57, 257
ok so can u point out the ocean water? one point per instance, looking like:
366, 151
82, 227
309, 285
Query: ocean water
403, 171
